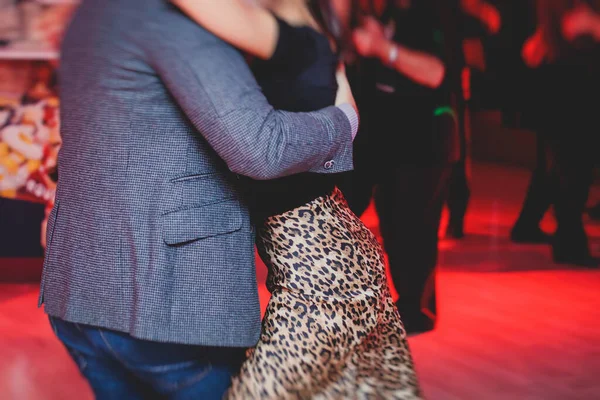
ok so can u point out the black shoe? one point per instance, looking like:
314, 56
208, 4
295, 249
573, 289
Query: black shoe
417, 329
576, 258
594, 212
415, 324
455, 230
572, 247
530, 236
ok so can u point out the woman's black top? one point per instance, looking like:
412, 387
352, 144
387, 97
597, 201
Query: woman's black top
299, 77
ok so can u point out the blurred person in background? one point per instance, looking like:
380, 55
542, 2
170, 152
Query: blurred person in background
407, 143
581, 20
465, 22
326, 271
564, 55
594, 212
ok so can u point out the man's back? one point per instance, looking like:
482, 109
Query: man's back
148, 235
138, 187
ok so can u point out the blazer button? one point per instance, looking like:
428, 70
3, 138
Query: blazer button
329, 164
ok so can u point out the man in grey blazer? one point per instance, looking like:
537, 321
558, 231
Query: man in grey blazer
149, 276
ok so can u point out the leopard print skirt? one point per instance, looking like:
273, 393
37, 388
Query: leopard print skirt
331, 330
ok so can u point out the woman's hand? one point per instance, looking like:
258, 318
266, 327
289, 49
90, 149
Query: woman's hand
344, 93
369, 37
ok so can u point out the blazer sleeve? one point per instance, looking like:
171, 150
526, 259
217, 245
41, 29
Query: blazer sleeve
215, 88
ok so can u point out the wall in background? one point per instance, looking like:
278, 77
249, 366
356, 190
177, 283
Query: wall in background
30, 33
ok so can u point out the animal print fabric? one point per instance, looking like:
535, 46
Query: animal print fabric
331, 329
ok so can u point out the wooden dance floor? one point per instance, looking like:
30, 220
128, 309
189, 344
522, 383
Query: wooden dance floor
512, 325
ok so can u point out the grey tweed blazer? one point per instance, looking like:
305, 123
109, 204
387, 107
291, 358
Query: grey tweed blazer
148, 235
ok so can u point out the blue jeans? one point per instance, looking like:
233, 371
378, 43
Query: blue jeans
118, 366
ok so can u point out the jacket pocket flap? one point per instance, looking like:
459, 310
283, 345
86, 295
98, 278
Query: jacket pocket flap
201, 222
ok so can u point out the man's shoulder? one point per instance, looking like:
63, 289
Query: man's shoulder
144, 22
167, 24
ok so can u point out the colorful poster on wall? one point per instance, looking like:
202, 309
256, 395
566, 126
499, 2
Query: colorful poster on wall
29, 107
30, 35
29, 143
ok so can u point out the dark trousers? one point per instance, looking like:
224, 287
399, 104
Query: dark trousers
562, 178
118, 366
409, 201
459, 194
540, 191
459, 191
403, 156
566, 122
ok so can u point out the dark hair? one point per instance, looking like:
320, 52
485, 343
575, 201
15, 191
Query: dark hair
333, 26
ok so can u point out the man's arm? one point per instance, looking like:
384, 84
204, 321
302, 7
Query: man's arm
215, 88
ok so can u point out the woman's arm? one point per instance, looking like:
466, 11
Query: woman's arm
241, 23
421, 67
